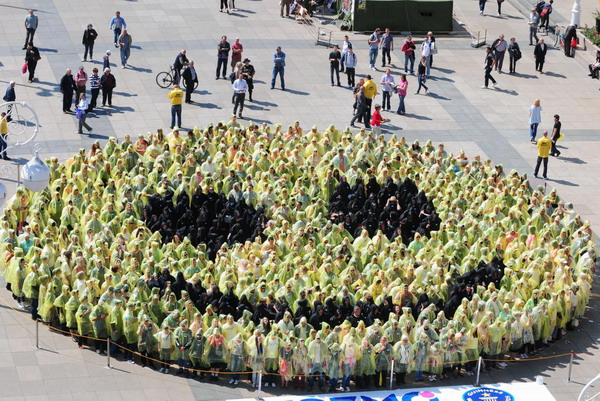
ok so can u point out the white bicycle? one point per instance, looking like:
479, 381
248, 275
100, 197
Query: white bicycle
591, 392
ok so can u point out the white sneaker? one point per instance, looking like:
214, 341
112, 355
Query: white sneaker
347, 389
341, 389
83, 59
430, 378
235, 382
373, 68
231, 381
484, 87
434, 378
273, 385
503, 364
494, 84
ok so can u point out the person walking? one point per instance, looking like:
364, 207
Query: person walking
482, 6
278, 67
374, 41
117, 24
181, 60
489, 63
190, 79
345, 46
94, 88
3, 136
545, 15
32, 56
108, 82
540, 55
387, 46
370, 93
31, 25
285, 4
176, 97
543, 146
555, 136
223, 48
361, 109
499, 47
514, 54
106, 60
10, 96
125, 43
570, 35
534, 20
350, 61
402, 89
89, 37
535, 118
248, 74
499, 3
387, 86
81, 78
224, 5
240, 87
67, 87
426, 52
421, 79
81, 113
236, 53
334, 64
408, 48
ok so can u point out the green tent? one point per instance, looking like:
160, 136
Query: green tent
400, 15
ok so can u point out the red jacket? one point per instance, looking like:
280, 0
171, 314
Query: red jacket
376, 118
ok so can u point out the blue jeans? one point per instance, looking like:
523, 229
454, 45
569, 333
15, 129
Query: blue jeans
176, 112
183, 363
533, 130
428, 66
125, 52
421, 84
373, 56
3, 145
346, 381
409, 58
401, 109
333, 382
482, 5
278, 71
117, 34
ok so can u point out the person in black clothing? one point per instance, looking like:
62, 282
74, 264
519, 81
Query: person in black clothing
67, 88
514, 53
190, 78
361, 109
180, 61
555, 136
489, 64
540, 55
334, 64
32, 56
595, 66
223, 48
248, 74
570, 34
89, 37
108, 82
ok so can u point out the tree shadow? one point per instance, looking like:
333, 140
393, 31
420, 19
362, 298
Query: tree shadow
436, 96
139, 69
417, 117
554, 74
297, 92
575, 160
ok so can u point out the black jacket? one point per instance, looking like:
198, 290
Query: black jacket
187, 75
67, 83
539, 52
108, 81
32, 55
89, 36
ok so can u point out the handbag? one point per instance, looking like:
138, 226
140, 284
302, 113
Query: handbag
24, 68
573, 42
78, 113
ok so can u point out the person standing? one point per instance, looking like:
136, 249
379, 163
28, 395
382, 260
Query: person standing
377, 120
67, 86
350, 61
374, 41
500, 46
89, 37
10, 96
285, 4
31, 25
278, 67
94, 88
433, 48
370, 93
408, 48
334, 64
236, 53
248, 74
190, 78
535, 118
361, 109
421, 79
545, 15
3, 136
345, 46
387, 86
180, 61
108, 82
117, 24
426, 52
543, 146
32, 56
106, 60
387, 46
514, 53
570, 34
224, 5
489, 63
240, 87
500, 7
540, 55
402, 89
176, 96
82, 110
223, 49
81, 78
125, 43
534, 20
555, 135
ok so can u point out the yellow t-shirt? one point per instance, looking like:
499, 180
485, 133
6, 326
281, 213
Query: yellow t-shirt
370, 89
176, 96
544, 146
3, 126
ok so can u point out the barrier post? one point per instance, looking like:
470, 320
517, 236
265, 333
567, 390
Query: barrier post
37, 334
570, 366
479, 363
259, 385
108, 353
392, 374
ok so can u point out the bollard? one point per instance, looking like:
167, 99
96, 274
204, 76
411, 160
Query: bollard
259, 385
392, 374
479, 363
570, 366
37, 334
108, 353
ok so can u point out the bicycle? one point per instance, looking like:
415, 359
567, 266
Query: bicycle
558, 35
166, 79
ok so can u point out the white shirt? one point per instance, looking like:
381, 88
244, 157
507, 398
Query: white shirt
83, 104
387, 82
426, 48
240, 86
345, 46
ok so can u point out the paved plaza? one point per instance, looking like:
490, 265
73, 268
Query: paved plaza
492, 123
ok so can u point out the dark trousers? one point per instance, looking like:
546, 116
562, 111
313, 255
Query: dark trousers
34, 309
385, 52
189, 88
533, 34
95, 93
387, 95
482, 5
554, 151
369, 105
421, 80
537, 166
31, 66
512, 67
224, 5
238, 101
488, 77
176, 115
67, 100
78, 91
221, 63
409, 59
29, 36
3, 145
334, 69
545, 21
499, 59
499, 8
350, 72
539, 64
107, 96
569, 52
89, 47
361, 114
117, 32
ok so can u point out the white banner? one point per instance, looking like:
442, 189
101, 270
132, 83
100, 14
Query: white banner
492, 392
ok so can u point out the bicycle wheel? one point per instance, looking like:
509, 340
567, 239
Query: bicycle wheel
164, 79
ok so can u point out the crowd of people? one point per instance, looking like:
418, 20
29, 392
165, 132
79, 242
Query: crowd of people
309, 255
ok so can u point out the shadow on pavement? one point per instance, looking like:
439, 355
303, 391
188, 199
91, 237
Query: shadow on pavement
575, 160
